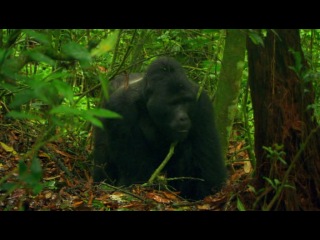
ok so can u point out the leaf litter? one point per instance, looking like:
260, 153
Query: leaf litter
61, 192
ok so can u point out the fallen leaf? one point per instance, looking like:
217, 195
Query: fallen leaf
247, 167
118, 196
44, 155
64, 154
8, 149
90, 199
170, 196
48, 195
51, 178
204, 207
77, 203
157, 198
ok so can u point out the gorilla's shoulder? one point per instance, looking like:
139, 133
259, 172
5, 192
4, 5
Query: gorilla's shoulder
129, 92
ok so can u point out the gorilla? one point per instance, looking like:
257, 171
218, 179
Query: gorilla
158, 108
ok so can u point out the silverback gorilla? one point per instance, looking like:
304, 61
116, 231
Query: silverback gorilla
159, 108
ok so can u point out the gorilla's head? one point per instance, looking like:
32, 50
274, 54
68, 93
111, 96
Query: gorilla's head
170, 98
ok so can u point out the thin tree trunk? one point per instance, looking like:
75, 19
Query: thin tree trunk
280, 97
228, 89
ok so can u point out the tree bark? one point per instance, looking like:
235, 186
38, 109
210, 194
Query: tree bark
280, 96
226, 98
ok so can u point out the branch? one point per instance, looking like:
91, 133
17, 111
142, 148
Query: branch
165, 161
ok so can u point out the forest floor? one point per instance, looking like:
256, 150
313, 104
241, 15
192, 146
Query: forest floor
66, 182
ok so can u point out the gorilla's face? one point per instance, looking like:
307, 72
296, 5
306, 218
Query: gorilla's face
170, 106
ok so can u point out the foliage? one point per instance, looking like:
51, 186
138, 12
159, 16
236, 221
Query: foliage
41, 95
52, 80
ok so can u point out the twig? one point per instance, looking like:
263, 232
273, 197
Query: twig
162, 165
59, 162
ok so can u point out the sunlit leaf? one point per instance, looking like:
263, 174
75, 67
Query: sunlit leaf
247, 167
7, 148
106, 44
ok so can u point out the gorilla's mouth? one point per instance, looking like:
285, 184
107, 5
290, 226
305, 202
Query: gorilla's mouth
183, 131
181, 134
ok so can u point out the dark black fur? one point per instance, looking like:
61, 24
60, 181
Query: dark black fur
158, 110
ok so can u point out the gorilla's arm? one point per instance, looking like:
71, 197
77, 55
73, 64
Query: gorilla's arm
206, 149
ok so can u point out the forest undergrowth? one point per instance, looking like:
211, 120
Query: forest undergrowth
65, 182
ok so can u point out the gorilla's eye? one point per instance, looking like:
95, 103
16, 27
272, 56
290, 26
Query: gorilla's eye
181, 101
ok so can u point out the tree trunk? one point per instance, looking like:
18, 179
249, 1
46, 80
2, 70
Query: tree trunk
283, 121
226, 98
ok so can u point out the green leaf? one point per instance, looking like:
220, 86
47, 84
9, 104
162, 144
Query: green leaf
22, 97
277, 182
255, 38
100, 112
106, 44
50, 184
94, 121
40, 37
208, 31
40, 57
78, 52
22, 168
47, 93
252, 188
22, 115
57, 75
289, 186
270, 182
104, 86
62, 109
64, 89
282, 160
240, 205
9, 87
37, 188
36, 169
8, 186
